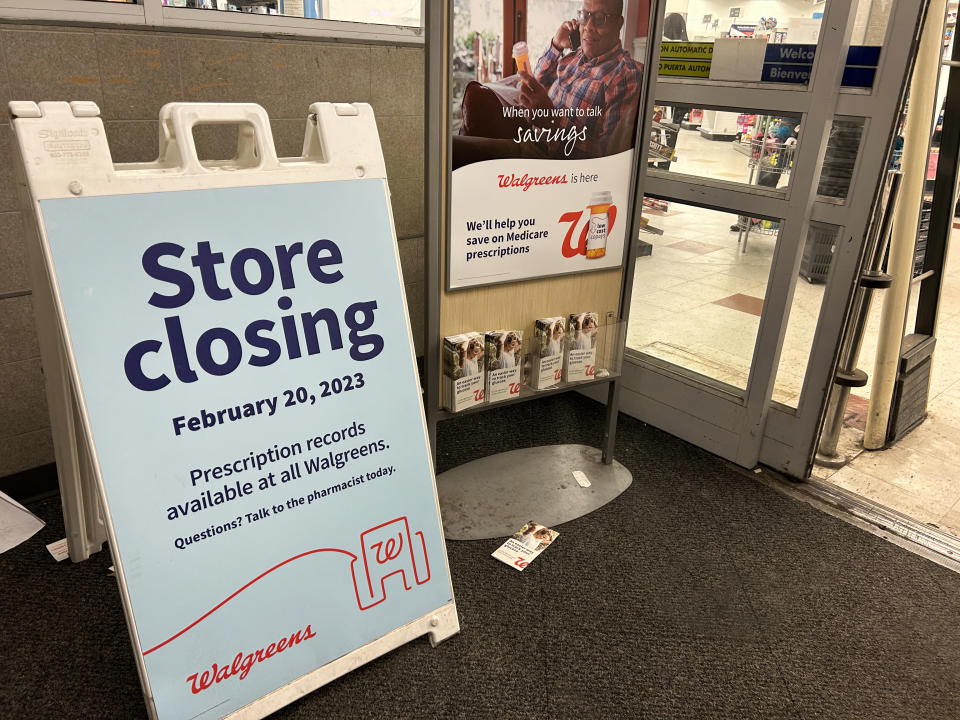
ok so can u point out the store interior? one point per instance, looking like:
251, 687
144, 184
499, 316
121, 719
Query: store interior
711, 588
915, 476
796, 21
698, 293
697, 296
696, 303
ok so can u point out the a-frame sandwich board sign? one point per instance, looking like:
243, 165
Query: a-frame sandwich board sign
239, 350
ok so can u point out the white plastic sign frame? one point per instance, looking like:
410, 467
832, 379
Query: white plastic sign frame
199, 449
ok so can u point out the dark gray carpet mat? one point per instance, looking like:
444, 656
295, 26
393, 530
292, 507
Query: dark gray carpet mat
698, 593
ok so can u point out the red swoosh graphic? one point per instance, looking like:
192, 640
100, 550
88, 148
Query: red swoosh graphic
231, 597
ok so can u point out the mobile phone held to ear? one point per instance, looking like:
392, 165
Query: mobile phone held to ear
575, 39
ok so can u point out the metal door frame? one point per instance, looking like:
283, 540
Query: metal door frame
749, 428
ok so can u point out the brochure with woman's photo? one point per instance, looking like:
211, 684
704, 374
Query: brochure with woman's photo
504, 364
548, 343
463, 371
524, 545
581, 355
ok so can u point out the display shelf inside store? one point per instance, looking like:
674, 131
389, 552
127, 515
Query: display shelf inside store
667, 126
896, 160
923, 232
758, 226
763, 154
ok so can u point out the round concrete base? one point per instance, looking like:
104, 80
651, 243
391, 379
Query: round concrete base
494, 496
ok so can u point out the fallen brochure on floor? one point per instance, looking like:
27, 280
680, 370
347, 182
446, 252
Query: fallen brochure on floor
16, 523
59, 549
524, 545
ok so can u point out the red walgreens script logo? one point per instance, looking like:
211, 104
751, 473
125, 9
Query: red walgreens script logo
573, 218
386, 550
243, 664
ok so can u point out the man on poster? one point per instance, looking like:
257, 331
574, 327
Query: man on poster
580, 102
599, 76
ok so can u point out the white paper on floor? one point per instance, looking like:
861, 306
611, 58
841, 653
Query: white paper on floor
59, 549
16, 523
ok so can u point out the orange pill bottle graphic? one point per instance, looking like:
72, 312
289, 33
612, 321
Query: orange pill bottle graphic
599, 223
521, 55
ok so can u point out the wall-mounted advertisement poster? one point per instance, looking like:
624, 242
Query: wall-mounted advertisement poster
543, 145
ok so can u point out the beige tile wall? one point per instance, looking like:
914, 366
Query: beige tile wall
130, 74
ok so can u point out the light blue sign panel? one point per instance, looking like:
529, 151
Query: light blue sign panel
246, 367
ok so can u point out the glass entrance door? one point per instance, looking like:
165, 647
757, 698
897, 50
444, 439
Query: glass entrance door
760, 179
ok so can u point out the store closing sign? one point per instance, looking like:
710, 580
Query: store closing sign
246, 365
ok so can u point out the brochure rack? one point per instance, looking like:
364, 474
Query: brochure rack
471, 508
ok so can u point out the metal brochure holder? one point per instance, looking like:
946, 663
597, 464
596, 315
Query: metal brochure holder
539, 483
63, 153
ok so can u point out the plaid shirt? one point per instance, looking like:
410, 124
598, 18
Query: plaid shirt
610, 82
